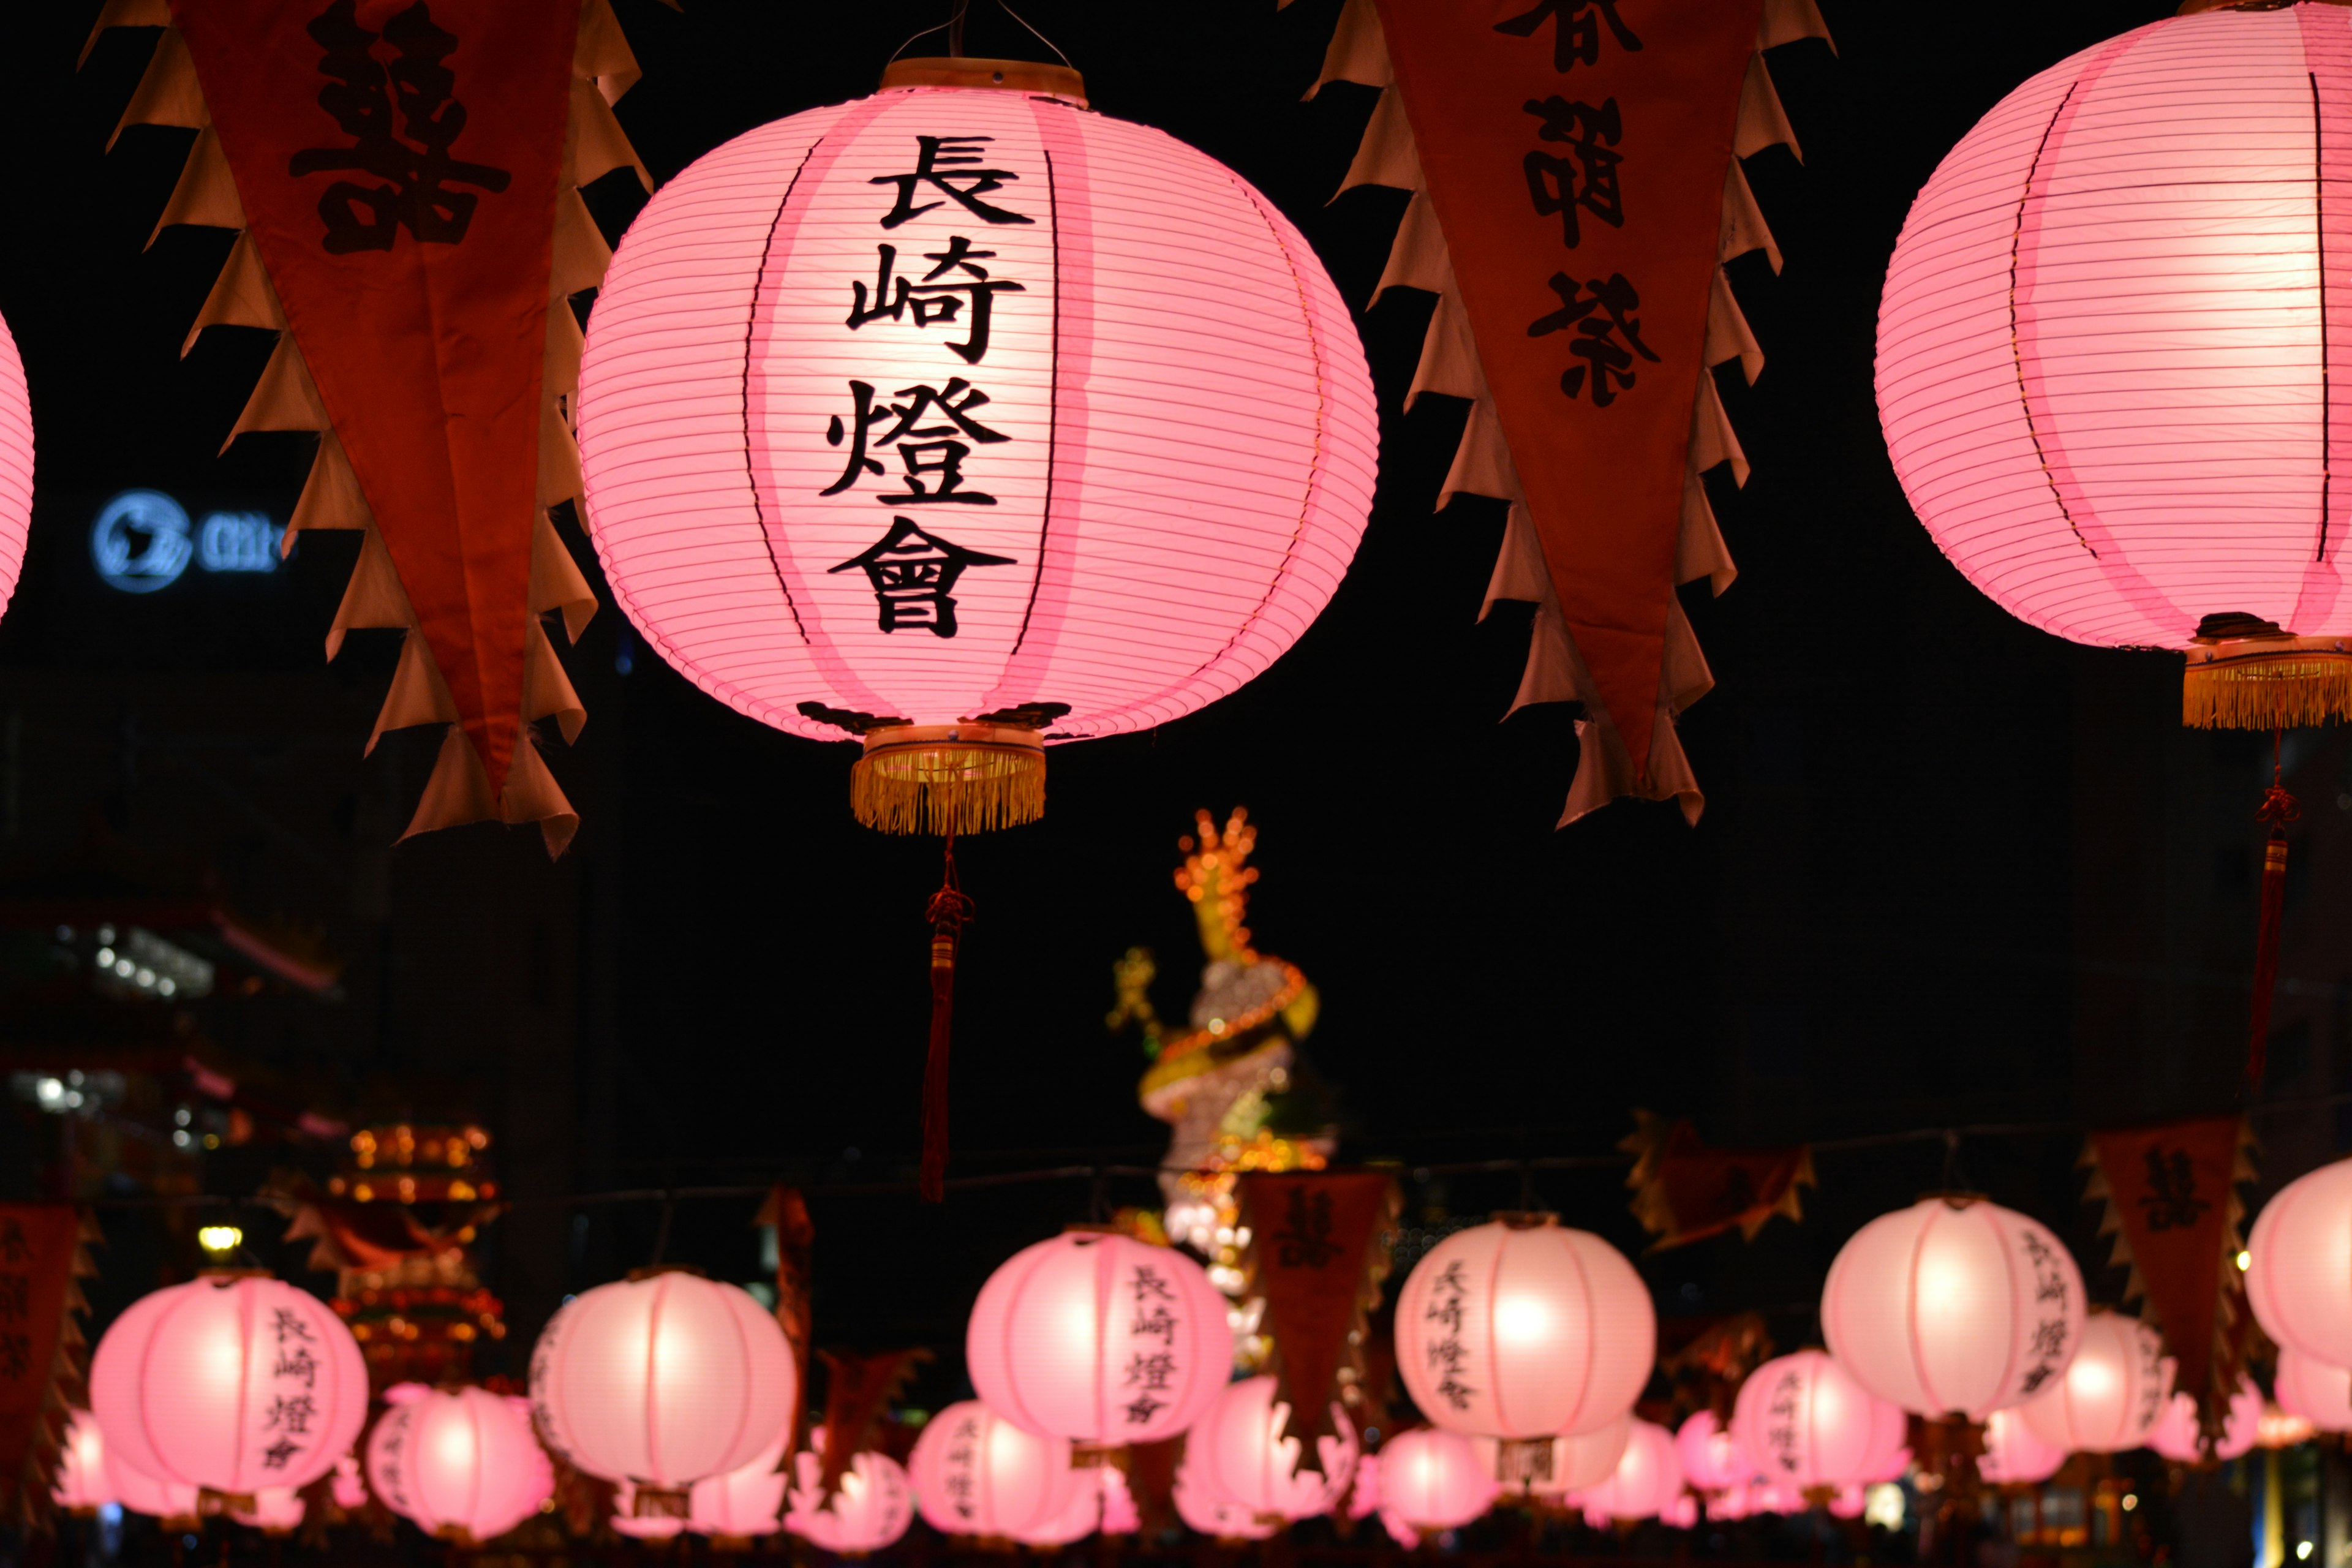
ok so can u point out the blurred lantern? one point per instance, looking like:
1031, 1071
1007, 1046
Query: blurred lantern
2110, 1395
1712, 1458
662, 1381
1120, 1514
1524, 1329
1239, 1451
1207, 1511
2013, 1453
191, 1386
976, 1474
1081, 1512
1682, 1513
83, 1486
15, 464
871, 1510
459, 1464
1647, 1481
1100, 1338
2299, 1265
1804, 1423
350, 1488
140, 1492
1562, 1465
276, 1510
1431, 1479
1954, 1304
2317, 1391
1848, 1501
749, 1501
2179, 1436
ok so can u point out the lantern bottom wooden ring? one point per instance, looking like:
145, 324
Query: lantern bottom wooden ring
660, 1502
2267, 683
944, 779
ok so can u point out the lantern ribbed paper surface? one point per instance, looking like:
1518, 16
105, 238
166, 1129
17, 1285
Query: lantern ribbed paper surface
956, 403
1647, 1482
976, 1473
82, 1484
2111, 1394
1431, 1479
2114, 353
461, 1464
191, 1386
2299, 1265
1803, 1422
749, 1499
1712, 1458
2013, 1455
16, 464
2315, 1391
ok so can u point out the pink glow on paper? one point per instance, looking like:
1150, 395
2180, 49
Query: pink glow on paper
2113, 353
1209, 1512
1056, 1326
1712, 1457
1647, 1481
1120, 1514
1239, 1452
1190, 433
350, 1491
1939, 1307
1557, 1331
2315, 1391
1803, 1422
1585, 1459
872, 1509
664, 1380
2013, 1455
186, 1383
16, 464
1431, 1479
82, 1484
976, 1474
2111, 1392
1081, 1512
2299, 1265
458, 1460
2176, 1434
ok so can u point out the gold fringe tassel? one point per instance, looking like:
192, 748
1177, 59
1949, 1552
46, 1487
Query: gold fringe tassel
2286, 691
943, 786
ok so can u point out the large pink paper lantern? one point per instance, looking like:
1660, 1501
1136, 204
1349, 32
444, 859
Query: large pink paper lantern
1953, 1305
460, 1464
2315, 1391
1239, 1450
1803, 1422
977, 1474
1432, 1480
83, 1486
1646, 1483
2124, 438
2015, 1454
2179, 1436
870, 1510
1100, 1338
662, 1381
230, 1384
1712, 1458
961, 420
1524, 1328
15, 464
1561, 1464
2299, 1265
2110, 1395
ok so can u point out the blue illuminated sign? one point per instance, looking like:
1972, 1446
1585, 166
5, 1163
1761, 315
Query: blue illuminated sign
142, 541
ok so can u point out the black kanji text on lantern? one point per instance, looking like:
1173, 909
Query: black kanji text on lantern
951, 166
1586, 179
914, 574
930, 448
1597, 336
1576, 41
413, 168
968, 301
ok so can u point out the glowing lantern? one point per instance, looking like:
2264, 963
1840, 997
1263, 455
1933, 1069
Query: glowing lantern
1647, 1481
1205, 1510
1804, 1423
1081, 1511
1712, 1458
185, 1381
2015, 1454
1431, 1479
350, 1489
1058, 1325
460, 1464
1120, 1514
1524, 1329
662, 1381
2110, 1395
83, 1486
1848, 1503
1562, 1465
2299, 1265
15, 464
1239, 1450
976, 1473
2179, 1436
871, 1510
276, 1510
2318, 1392
1953, 1304
140, 1492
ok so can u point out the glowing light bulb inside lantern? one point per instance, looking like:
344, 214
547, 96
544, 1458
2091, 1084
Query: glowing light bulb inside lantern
220, 1239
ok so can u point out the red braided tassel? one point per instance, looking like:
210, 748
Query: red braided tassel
949, 912
2278, 809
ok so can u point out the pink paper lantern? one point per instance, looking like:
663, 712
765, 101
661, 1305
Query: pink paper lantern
1803, 1422
2177, 1438
1562, 1465
229, 1382
2110, 1395
2015, 1454
1712, 1458
1364, 1497
2116, 434
871, 1510
1431, 1479
83, 1486
276, 1510
1849, 1501
1128, 362
1239, 1450
1100, 1338
662, 1381
1524, 1328
1208, 1512
1953, 1304
1682, 1513
138, 1492
746, 1501
2299, 1265
461, 1464
977, 1474
1647, 1481
15, 464
2315, 1391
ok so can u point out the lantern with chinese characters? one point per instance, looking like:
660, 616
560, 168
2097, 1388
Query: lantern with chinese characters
872, 1509
1431, 1479
2013, 1453
83, 1486
749, 1501
1804, 1422
1099, 1338
662, 1381
1647, 1482
1524, 1329
2299, 1265
2110, 1395
1562, 1465
976, 1474
1953, 1304
2315, 1391
228, 1383
1712, 1458
459, 1464
1239, 1451
2178, 1435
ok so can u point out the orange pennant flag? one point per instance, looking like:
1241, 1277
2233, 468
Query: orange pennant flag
1318, 1251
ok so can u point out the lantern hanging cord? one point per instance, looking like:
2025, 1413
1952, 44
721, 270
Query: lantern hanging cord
949, 913
2278, 809
953, 27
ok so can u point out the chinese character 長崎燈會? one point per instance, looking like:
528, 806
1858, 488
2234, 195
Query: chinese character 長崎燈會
968, 301
913, 575
951, 166
932, 450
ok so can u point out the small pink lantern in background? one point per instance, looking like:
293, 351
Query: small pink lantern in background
1952, 1305
83, 1486
976, 1474
1431, 1479
350, 1484
871, 1509
1562, 1465
1206, 1511
1238, 1450
1120, 1514
1804, 1422
746, 1501
2111, 1394
1682, 1513
1056, 1326
276, 1510
662, 1381
2015, 1454
140, 1492
1712, 1458
1081, 1512
184, 1382
2179, 1437
1647, 1481
2299, 1265
461, 1465
1524, 1329
2316, 1391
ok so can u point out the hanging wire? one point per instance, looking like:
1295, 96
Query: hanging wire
954, 27
661, 1232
